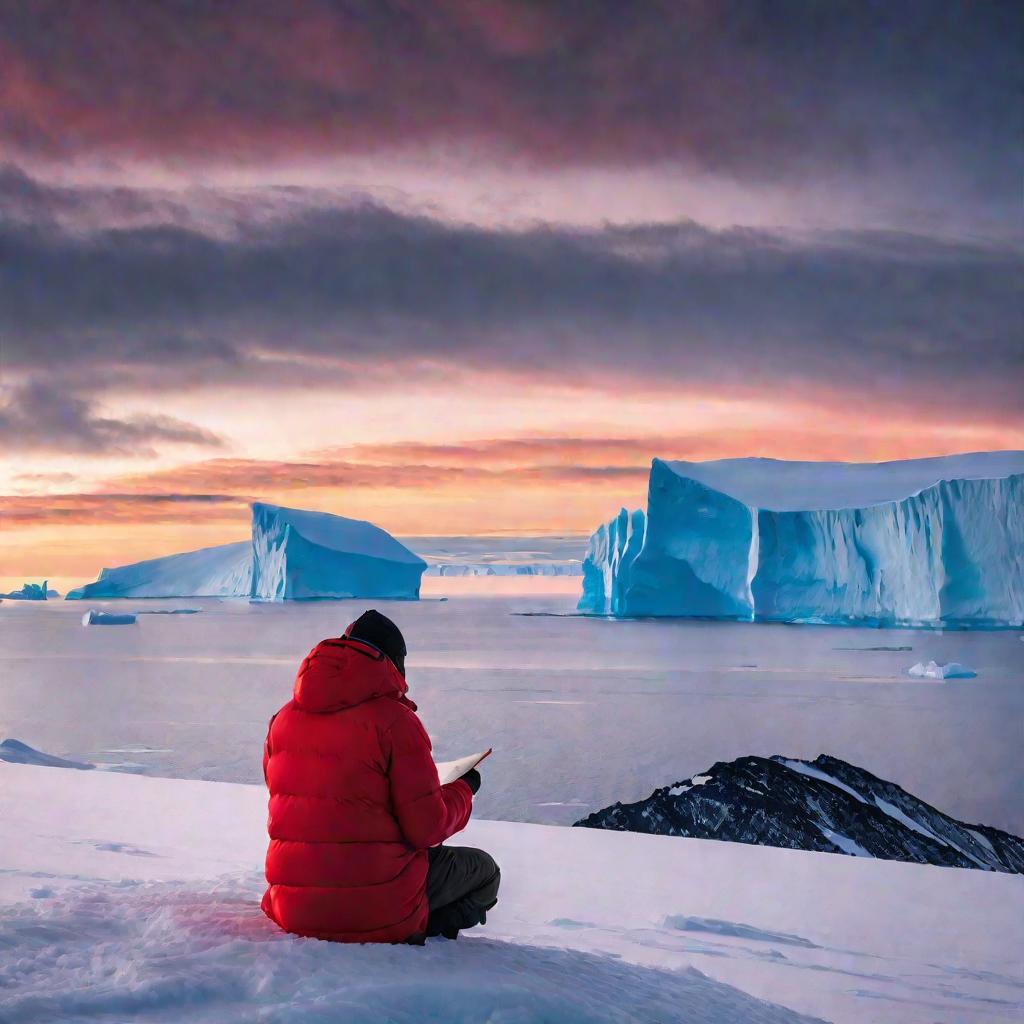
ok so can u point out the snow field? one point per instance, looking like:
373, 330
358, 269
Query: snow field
128, 897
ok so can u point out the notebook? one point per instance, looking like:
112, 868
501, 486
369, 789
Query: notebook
449, 771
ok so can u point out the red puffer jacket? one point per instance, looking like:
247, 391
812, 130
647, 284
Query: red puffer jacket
354, 801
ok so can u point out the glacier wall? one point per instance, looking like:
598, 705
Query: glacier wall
950, 553
301, 556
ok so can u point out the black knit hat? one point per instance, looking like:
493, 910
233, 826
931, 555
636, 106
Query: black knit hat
379, 630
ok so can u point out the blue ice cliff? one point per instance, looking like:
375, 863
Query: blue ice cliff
923, 542
303, 555
292, 555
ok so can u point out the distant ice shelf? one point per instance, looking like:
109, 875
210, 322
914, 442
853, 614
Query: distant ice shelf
556, 555
505, 569
292, 555
924, 542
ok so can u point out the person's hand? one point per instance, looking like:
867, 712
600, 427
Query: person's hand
472, 779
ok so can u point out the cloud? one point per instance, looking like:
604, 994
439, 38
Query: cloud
493, 471
361, 296
38, 416
111, 507
255, 478
744, 89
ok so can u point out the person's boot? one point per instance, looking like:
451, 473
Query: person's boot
449, 921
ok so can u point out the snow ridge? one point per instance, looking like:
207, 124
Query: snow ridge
823, 805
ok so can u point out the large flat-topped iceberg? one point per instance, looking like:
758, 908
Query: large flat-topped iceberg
221, 571
921, 542
292, 555
793, 486
301, 555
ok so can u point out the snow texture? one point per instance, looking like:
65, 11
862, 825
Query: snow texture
221, 571
127, 898
932, 670
826, 805
300, 555
95, 617
919, 542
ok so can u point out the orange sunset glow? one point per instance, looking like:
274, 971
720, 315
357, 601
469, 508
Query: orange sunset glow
431, 291
457, 476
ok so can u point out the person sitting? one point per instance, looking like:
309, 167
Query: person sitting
357, 815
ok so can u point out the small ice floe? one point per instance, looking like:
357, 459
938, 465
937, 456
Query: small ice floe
94, 617
933, 670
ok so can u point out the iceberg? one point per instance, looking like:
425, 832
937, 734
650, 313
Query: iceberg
300, 556
31, 592
94, 617
294, 555
923, 542
221, 571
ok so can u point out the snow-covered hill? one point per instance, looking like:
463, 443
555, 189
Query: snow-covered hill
823, 805
132, 898
918, 542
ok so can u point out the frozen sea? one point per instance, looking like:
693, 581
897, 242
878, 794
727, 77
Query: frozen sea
581, 712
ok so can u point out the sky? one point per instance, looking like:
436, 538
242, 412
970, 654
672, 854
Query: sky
464, 267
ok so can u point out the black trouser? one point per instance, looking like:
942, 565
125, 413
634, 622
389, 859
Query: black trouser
462, 885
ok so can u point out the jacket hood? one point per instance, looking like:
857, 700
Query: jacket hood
342, 673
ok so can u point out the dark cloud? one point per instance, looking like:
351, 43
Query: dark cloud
357, 295
753, 89
38, 416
